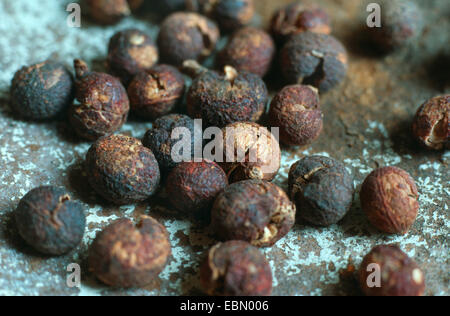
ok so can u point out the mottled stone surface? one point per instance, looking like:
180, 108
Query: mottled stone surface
366, 125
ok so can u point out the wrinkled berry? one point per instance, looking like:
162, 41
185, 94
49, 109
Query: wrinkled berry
107, 11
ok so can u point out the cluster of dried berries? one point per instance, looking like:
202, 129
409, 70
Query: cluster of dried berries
249, 49
389, 197
224, 98
130, 52
388, 271
185, 36
42, 91
102, 106
128, 255
236, 268
431, 125
255, 211
322, 189
122, 170
297, 18
50, 221
295, 110
110, 11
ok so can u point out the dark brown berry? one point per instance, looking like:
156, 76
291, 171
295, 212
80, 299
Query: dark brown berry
314, 59
297, 18
135, 4
185, 36
249, 49
107, 11
322, 190
230, 14
128, 255
224, 98
193, 186
42, 91
121, 170
255, 211
236, 268
102, 106
431, 125
250, 152
130, 52
155, 92
397, 274
389, 197
159, 139
50, 221
296, 111
401, 23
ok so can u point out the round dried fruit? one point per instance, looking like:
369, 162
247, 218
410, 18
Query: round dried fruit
236, 268
49, 221
121, 170
42, 91
389, 197
103, 103
107, 11
388, 271
255, 211
128, 255
322, 189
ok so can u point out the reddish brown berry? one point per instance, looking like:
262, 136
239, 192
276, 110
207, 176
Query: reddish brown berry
193, 186
42, 91
107, 11
255, 211
224, 98
155, 92
398, 275
236, 268
296, 111
121, 170
130, 52
389, 197
314, 59
185, 36
297, 18
128, 255
249, 49
431, 124
230, 14
102, 106
322, 190
49, 221
250, 152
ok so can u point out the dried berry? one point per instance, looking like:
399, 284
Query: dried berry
193, 186
128, 255
255, 211
236, 268
155, 92
102, 106
49, 221
230, 14
389, 197
296, 111
314, 59
107, 11
186, 36
224, 98
398, 275
135, 4
431, 125
249, 49
130, 52
401, 22
42, 91
297, 18
121, 170
322, 190
159, 138
250, 152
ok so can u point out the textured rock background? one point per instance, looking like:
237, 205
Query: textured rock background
366, 125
